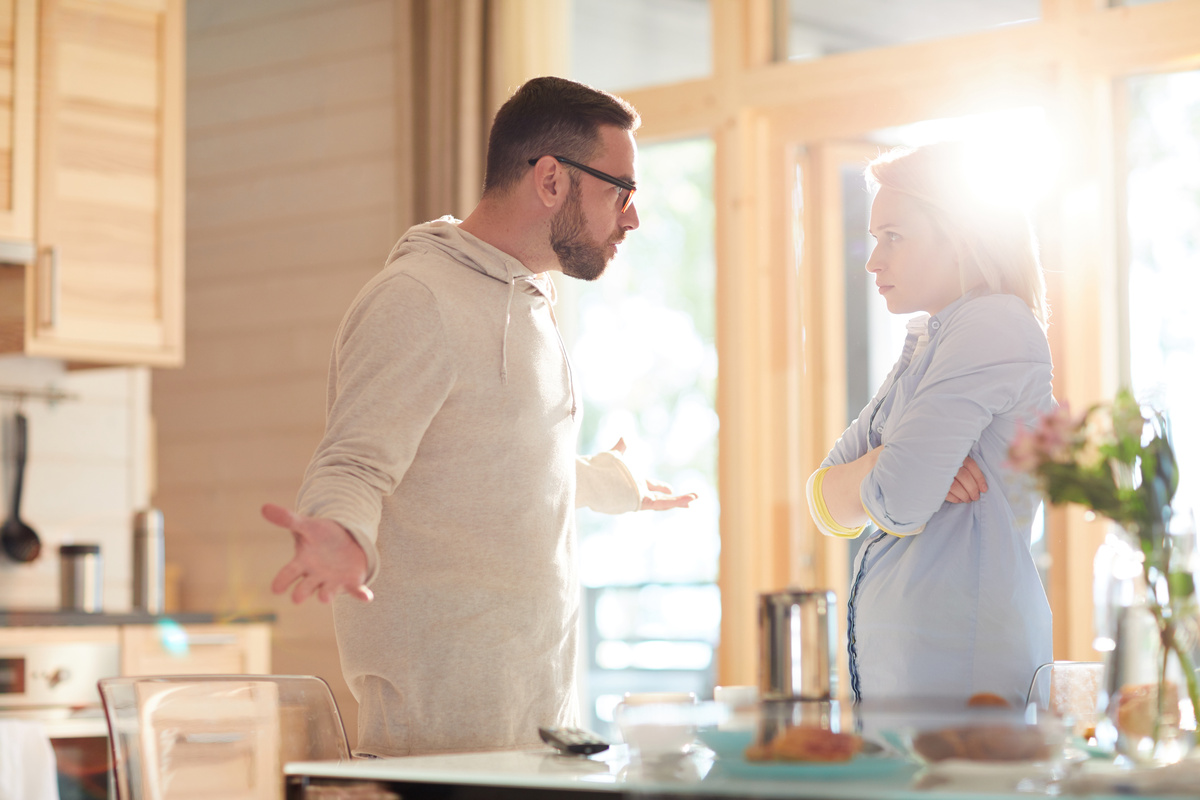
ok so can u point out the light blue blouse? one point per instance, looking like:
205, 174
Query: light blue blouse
946, 599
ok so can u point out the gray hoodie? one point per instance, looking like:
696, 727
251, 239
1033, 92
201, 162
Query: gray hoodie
449, 455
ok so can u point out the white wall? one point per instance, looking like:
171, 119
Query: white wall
87, 472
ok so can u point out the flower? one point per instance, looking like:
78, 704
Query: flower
1113, 459
1116, 459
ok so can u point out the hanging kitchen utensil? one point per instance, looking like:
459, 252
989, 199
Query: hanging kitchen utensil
20, 541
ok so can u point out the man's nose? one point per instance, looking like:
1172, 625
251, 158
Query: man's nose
630, 221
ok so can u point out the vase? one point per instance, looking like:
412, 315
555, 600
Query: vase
1150, 628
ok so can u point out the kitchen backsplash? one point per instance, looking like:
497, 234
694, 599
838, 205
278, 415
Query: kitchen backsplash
89, 468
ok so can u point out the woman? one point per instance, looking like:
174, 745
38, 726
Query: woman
945, 599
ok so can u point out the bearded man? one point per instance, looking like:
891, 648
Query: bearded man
447, 477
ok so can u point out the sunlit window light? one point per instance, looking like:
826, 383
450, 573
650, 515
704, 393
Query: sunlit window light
1012, 155
656, 655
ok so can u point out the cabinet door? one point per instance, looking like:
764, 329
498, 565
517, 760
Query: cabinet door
18, 63
107, 285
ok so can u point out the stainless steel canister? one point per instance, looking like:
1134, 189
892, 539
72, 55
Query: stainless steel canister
798, 645
149, 567
81, 577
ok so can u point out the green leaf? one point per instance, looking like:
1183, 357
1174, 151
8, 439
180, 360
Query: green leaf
1181, 585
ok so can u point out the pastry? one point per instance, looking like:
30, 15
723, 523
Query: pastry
984, 743
986, 699
805, 743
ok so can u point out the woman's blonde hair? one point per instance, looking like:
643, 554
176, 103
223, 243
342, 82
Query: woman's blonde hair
994, 241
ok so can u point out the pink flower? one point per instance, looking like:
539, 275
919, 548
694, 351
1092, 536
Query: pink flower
1053, 438
1023, 453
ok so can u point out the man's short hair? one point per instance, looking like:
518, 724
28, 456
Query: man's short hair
550, 116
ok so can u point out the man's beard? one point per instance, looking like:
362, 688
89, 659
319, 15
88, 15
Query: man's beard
579, 256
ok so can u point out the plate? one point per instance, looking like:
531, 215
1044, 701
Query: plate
989, 776
858, 767
726, 743
730, 747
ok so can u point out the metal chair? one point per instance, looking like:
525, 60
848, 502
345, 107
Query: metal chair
1069, 690
179, 737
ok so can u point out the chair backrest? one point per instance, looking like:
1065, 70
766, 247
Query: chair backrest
1070, 690
179, 737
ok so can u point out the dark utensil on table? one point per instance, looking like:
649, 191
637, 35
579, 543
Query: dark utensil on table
20, 541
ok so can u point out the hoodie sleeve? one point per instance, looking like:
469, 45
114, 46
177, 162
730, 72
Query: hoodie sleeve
389, 374
605, 483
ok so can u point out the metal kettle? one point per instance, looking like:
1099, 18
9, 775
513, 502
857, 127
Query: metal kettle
797, 632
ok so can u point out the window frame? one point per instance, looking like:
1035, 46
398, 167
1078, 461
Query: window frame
775, 341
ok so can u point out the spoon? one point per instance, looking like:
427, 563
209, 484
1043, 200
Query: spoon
20, 541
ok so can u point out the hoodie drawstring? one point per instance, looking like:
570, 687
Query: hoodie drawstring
512, 288
563, 346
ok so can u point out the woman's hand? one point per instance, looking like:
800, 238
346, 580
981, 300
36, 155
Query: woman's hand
968, 484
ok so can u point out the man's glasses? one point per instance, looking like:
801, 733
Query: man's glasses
595, 173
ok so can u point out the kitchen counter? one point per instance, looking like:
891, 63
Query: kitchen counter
543, 774
51, 618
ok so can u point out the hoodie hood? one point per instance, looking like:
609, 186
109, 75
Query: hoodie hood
445, 236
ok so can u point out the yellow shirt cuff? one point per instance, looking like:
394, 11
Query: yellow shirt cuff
820, 512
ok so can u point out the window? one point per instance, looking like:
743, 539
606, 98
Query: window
1163, 213
642, 340
816, 28
627, 44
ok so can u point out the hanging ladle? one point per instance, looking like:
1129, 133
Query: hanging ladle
20, 541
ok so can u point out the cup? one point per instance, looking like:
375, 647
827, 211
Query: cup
742, 702
798, 640
657, 724
81, 578
736, 696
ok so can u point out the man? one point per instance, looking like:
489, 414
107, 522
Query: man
447, 477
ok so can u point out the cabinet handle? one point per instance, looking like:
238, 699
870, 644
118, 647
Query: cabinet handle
48, 311
212, 639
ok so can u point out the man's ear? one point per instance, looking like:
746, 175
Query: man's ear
551, 182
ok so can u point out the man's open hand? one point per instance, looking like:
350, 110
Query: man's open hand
659, 496
327, 559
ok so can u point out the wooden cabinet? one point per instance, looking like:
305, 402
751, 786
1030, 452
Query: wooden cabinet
18, 67
196, 649
106, 281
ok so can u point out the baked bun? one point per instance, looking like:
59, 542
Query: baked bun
984, 699
984, 743
806, 743
1138, 705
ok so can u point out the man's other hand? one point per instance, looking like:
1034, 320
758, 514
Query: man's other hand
659, 496
327, 559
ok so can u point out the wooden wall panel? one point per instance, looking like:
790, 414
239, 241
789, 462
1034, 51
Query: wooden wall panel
291, 167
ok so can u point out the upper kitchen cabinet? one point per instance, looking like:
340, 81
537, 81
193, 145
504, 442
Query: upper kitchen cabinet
18, 69
105, 285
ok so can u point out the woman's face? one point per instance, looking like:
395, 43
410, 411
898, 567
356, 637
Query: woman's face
914, 265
